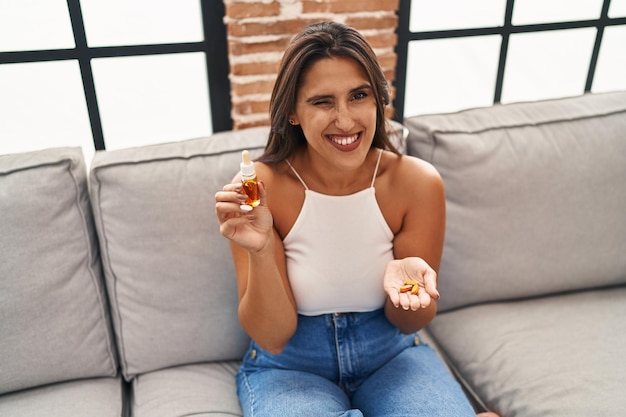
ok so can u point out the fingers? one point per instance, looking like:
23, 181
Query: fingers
228, 202
230, 227
423, 273
230, 193
430, 283
418, 287
409, 301
234, 193
394, 297
262, 192
426, 293
414, 302
424, 299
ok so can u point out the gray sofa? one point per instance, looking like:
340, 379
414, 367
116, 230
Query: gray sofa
532, 317
117, 293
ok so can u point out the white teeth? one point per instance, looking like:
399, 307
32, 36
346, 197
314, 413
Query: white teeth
344, 141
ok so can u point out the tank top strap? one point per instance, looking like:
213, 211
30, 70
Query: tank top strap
296, 174
380, 153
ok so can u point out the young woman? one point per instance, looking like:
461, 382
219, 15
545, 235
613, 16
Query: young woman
344, 222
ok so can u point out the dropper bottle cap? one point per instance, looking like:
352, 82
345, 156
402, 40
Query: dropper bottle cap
246, 166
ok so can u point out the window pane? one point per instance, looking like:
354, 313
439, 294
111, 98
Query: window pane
547, 64
611, 61
617, 8
42, 105
141, 22
151, 99
27, 25
447, 75
546, 11
455, 14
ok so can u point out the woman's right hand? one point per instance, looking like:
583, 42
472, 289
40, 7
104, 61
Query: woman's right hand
252, 230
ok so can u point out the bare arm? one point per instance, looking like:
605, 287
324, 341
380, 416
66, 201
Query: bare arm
267, 309
418, 248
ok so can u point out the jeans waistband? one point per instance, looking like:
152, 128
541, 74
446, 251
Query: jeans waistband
343, 347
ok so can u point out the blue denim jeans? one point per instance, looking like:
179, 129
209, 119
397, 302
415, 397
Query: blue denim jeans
349, 364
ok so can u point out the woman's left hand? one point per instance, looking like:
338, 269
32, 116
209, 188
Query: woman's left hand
413, 268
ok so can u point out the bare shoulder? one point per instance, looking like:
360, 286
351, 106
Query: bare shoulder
407, 188
420, 167
275, 177
412, 174
284, 194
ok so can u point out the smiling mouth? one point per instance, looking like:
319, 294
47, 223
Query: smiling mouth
344, 140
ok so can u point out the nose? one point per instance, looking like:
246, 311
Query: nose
343, 118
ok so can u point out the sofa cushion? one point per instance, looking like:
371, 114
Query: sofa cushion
168, 270
553, 356
97, 397
192, 390
54, 323
535, 196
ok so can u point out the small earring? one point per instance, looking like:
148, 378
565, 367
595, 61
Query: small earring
292, 122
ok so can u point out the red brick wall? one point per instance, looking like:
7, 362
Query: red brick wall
259, 30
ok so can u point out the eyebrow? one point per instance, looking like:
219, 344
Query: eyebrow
325, 96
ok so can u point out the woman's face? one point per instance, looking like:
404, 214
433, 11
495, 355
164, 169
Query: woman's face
336, 109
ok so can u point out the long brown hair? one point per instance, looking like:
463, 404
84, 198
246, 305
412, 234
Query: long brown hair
318, 41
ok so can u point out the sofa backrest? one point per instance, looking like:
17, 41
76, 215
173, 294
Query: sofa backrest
54, 323
168, 270
536, 196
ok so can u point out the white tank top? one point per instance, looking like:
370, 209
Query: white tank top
337, 251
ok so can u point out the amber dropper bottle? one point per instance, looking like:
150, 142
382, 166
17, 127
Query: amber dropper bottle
249, 181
